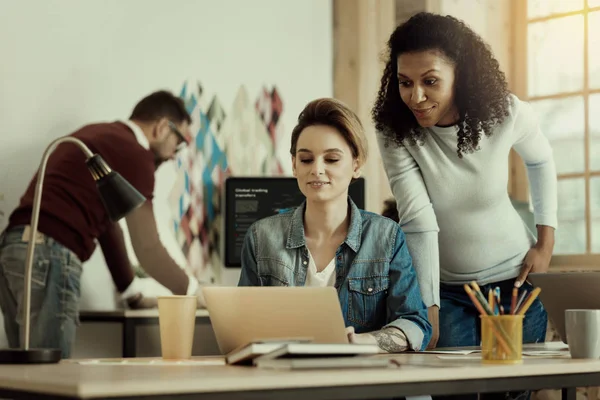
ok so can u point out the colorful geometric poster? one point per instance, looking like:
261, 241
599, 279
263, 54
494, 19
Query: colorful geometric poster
269, 107
241, 140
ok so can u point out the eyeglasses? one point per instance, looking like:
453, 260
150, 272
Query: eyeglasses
181, 140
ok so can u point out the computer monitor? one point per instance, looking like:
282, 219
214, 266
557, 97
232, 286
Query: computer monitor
248, 199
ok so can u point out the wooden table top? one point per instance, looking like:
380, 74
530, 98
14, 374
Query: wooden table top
71, 378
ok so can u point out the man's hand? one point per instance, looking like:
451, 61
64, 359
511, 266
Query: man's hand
134, 295
138, 301
201, 303
433, 316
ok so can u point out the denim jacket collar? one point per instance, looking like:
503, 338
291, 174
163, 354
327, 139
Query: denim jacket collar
296, 237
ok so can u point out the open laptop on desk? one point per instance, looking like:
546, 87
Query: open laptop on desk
564, 291
241, 315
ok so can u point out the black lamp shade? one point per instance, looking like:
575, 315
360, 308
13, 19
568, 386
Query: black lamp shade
118, 196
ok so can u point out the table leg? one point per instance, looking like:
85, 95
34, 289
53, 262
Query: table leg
569, 394
129, 343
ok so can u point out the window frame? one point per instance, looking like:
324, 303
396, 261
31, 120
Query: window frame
518, 184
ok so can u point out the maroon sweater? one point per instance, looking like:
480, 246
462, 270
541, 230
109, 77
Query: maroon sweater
71, 210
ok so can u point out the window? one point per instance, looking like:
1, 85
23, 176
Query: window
559, 74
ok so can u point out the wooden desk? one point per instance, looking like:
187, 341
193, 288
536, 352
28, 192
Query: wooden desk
418, 374
130, 319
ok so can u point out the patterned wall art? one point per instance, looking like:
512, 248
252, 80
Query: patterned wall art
240, 140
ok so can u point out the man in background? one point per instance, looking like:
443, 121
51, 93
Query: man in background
73, 219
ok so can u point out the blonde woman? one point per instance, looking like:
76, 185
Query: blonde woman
328, 241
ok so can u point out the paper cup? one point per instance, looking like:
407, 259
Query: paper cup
177, 320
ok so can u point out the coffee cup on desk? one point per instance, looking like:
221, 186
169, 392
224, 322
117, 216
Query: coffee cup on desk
583, 333
177, 320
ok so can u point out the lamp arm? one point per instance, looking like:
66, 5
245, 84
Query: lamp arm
35, 213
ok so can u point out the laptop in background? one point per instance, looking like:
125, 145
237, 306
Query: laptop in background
564, 291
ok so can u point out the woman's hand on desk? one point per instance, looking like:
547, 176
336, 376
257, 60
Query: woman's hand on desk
390, 340
359, 338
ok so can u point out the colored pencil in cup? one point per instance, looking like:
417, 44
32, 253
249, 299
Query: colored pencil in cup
471, 295
486, 306
499, 332
527, 303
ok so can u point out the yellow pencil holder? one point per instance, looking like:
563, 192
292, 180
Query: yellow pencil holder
502, 339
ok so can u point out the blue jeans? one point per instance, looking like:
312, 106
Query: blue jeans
460, 324
55, 284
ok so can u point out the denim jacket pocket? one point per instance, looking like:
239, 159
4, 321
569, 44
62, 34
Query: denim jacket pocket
366, 300
271, 272
12, 262
272, 280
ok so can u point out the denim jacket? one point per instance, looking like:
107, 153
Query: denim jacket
375, 280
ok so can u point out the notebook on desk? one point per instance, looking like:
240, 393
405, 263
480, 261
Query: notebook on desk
243, 315
320, 356
324, 363
248, 352
299, 350
254, 353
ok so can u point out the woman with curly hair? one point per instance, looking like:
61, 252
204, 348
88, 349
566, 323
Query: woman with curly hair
446, 123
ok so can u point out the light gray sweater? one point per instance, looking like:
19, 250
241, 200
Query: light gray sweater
458, 219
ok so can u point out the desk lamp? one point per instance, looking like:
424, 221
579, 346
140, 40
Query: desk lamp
119, 198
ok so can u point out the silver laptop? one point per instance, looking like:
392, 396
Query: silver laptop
567, 290
241, 315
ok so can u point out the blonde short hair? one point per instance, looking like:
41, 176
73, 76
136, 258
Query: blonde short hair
333, 113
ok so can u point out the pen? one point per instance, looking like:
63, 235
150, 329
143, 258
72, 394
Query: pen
499, 307
513, 301
521, 298
532, 296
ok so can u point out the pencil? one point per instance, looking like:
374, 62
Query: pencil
491, 301
481, 299
513, 301
474, 300
532, 296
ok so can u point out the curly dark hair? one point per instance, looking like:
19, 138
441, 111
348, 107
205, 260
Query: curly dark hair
480, 89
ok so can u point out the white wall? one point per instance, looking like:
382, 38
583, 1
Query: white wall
491, 19
66, 63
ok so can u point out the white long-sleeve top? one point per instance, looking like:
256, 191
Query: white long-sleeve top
459, 222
